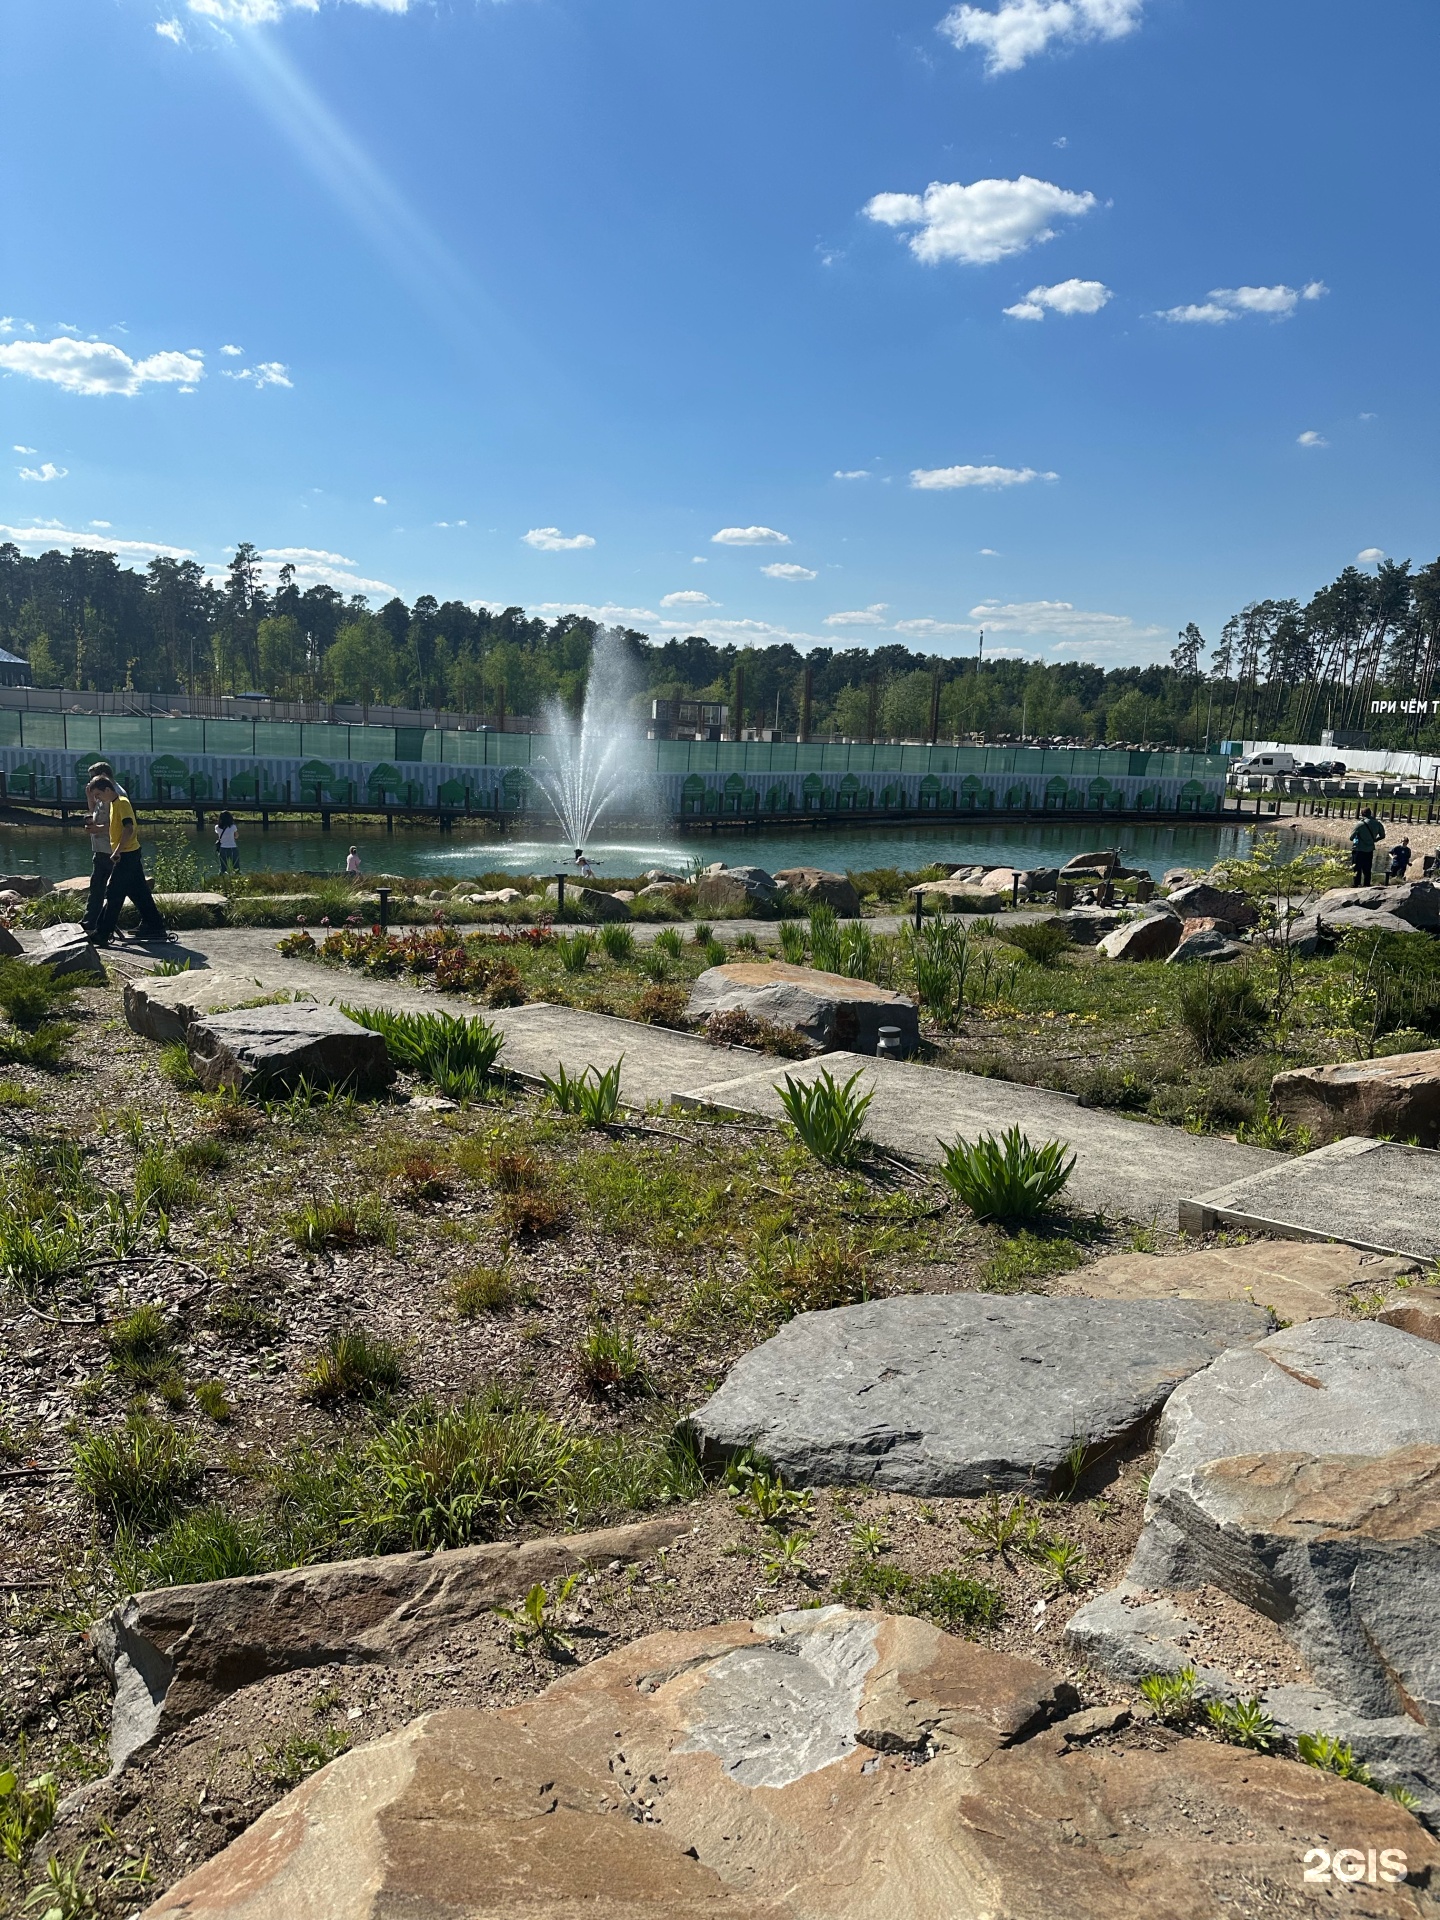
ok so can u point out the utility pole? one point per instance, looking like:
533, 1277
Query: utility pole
934, 730
807, 692
871, 707
737, 719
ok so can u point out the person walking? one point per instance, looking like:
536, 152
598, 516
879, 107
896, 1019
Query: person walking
352, 863
1363, 841
1400, 858
127, 874
98, 826
227, 843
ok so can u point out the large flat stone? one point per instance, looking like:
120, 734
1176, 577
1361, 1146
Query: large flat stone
962, 1393
1416, 902
1375, 1194
770, 1771
1154, 937
272, 1049
1295, 1279
835, 890
1396, 1097
163, 1007
829, 1008
1302, 1476
66, 952
174, 1653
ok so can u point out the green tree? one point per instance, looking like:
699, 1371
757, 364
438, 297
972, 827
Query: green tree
362, 665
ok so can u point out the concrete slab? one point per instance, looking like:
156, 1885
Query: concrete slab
1123, 1167
1296, 1279
655, 1060
1373, 1194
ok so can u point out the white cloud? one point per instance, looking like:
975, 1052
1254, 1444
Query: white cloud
941, 479
852, 473
314, 565
235, 353
749, 537
692, 597
699, 559
979, 223
1066, 296
42, 538
47, 470
1019, 29
933, 629
267, 373
608, 615
379, 501
1310, 438
788, 570
1063, 626
170, 30
95, 366
20, 449
1228, 303
100, 523
1370, 556
991, 553
552, 540
264, 13
873, 616
452, 523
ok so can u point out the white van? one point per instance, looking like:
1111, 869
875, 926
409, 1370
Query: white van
1266, 763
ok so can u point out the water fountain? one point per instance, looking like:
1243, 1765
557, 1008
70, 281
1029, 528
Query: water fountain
591, 767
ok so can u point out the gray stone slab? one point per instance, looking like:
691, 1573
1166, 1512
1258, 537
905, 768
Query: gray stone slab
1122, 1167
272, 1049
654, 1060
1373, 1194
962, 1393
1398, 1751
1132, 1634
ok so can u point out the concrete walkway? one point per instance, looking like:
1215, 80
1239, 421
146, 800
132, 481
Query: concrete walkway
1374, 1194
1124, 1168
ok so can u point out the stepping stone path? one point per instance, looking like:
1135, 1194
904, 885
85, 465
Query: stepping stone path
1295, 1279
164, 1006
769, 1770
962, 1393
272, 1049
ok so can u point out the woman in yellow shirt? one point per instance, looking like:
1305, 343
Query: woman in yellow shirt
127, 874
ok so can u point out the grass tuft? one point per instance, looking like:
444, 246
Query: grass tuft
353, 1365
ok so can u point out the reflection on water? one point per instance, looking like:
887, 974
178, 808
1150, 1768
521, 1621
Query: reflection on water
59, 852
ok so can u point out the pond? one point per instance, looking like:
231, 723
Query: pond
300, 846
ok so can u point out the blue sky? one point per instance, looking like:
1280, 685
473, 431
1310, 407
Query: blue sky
836, 320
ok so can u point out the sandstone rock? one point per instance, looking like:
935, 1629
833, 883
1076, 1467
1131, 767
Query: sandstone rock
1417, 902
828, 1008
176, 1652
272, 1049
198, 909
498, 897
593, 902
1204, 944
954, 894
749, 888
1397, 1095
835, 890
1414, 1310
653, 874
66, 952
1397, 1750
961, 1393
1302, 1476
1199, 900
1153, 938
1179, 877
1295, 1279
1039, 879
162, 1007
1105, 861
658, 890
770, 1771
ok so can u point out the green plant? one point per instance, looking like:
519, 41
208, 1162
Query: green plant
1028, 1256
618, 941
353, 1365
303, 1754
746, 943
1007, 1179
868, 1540
592, 1096
63, 1892
670, 942
141, 1351
716, 953
454, 1053
702, 933
208, 1544
1065, 1563
138, 1474
787, 1558
792, 942
737, 1028
538, 1618
321, 1225
824, 938
176, 1068
44, 1049
483, 1289
1172, 1695
31, 995
809, 1275
654, 965
609, 1362
828, 1118
1037, 940
163, 1181
1245, 1724
998, 1528
12, 1094
27, 1812
1332, 1755
1222, 1009
167, 969
762, 1495
574, 951
957, 1601
1273, 1130
211, 1398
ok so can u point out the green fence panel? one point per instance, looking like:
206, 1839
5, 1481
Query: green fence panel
277, 739
330, 743
177, 736
230, 736
123, 735
43, 730
410, 743
82, 733
10, 730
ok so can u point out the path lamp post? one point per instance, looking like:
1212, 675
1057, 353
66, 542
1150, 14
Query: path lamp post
560, 896
384, 893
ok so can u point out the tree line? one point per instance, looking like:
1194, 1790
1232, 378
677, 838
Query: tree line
1278, 670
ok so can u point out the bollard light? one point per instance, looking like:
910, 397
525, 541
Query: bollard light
559, 896
384, 893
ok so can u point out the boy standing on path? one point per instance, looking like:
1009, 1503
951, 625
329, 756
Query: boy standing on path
1363, 841
127, 873
99, 829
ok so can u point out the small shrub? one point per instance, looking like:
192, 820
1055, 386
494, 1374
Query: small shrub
531, 1202
716, 953
609, 1362
138, 1474
301, 1755
1221, 1009
176, 1068
811, 1275
958, 1602
702, 933
1008, 1178
737, 1028
211, 1399
792, 942
420, 1177
618, 941
31, 995
209, 1544
1245, 1724
12, 1094
353, 1365
828, 1118
1036, 940
746, 943
670, 942
654, 964
507, 987
141, 1351
206, 1154
592, 1096
453, 1053
662, 1006
1332, 1755
321, 1226
574, 951
1172, 1695
483, 1290
538, 1618
1112, 1086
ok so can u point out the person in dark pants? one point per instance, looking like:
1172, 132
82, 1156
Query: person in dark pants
127, 874
99, 828
1363, 841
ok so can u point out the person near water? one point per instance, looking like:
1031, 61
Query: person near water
227, 843
586, 870
352, 863
1363, 841
127, 874
98, 826
1400, 858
